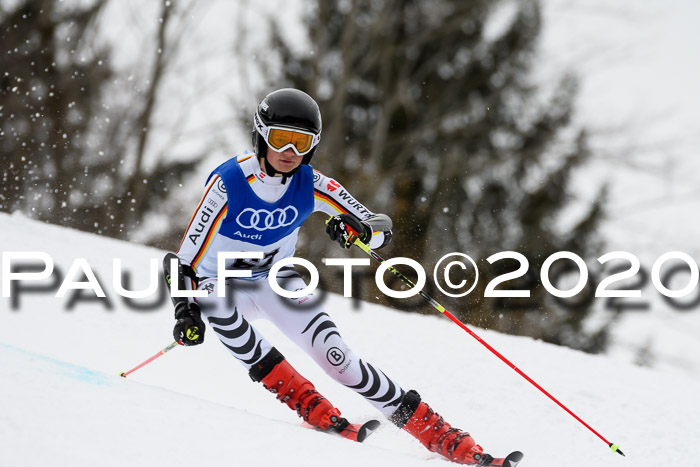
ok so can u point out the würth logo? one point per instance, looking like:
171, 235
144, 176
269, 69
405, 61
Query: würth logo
333, 185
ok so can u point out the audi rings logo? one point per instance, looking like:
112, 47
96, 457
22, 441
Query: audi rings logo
262, 219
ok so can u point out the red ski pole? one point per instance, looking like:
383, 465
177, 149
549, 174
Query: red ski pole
123, 374
441, 309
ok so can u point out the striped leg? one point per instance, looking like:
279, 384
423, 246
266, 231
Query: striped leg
240, 338
307, 324
231, 327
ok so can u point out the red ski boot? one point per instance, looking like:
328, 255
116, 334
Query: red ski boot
428, 427
291, 388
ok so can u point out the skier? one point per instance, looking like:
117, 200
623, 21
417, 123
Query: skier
256, 203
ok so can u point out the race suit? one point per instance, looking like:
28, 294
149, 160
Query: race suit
245, 210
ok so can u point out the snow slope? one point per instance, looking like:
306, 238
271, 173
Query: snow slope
63, 403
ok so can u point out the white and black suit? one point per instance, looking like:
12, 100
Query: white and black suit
244, 209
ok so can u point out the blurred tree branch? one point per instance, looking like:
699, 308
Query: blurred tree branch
78, 140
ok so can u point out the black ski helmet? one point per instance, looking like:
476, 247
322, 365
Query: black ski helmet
289, 108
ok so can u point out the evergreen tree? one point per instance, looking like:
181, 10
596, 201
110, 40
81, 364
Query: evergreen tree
73, 133
430, 115
48, 91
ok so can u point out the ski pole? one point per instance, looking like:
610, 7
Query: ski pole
171, 346
441, 309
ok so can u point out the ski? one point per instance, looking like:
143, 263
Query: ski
511, 460
358, 432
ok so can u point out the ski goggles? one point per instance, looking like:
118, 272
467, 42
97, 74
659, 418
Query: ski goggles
281, 138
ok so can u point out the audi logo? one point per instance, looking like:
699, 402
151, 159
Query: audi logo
262, 219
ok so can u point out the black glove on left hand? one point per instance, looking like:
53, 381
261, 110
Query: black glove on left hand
189, 328
345, 228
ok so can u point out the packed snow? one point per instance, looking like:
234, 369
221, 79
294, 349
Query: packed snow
62, 401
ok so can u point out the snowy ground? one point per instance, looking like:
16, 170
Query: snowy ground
63, 403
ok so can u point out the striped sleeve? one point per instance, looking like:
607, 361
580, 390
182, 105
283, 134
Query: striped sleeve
204, 224
330, 197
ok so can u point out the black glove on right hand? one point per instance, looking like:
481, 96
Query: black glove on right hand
345, 228
189, 328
